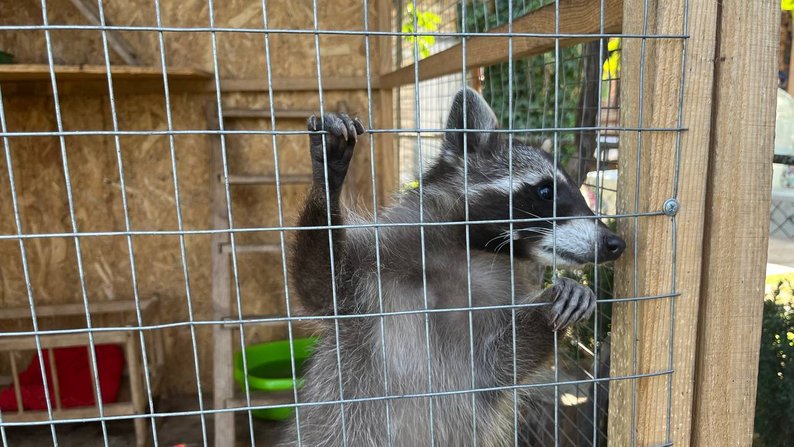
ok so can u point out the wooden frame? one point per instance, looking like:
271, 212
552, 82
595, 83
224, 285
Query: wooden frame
729, 114
576, 17
132, 397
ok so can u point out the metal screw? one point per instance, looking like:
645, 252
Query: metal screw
671, 207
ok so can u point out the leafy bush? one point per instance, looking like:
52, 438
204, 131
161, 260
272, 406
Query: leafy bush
533, 78
426, 21
774, 410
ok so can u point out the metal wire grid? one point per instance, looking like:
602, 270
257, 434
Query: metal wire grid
419, 130
436, 95
782, 216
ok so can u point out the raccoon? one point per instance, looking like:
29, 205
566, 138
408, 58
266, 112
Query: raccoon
415, 293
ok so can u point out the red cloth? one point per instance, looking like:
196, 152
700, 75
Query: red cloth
74, 379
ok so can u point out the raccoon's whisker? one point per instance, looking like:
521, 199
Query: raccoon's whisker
508, 237
502, 235
531, 214
536, 230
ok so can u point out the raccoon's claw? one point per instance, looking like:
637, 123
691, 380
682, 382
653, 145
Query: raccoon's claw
340, 140
572, 303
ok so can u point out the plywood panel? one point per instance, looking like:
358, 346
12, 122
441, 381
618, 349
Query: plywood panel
147, 163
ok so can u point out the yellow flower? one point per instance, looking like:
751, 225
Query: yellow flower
411, 185
612, 64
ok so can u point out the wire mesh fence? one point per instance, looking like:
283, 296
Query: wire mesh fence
426, 369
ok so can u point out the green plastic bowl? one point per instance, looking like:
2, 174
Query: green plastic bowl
270, 370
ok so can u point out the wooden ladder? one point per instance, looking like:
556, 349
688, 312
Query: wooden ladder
223, 380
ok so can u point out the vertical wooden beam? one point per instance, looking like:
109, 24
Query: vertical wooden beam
56, 384
136, 389
386, 154
737, 222
12, 355
642, 405
223, 382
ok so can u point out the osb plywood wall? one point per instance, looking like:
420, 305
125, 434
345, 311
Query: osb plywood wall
38, 167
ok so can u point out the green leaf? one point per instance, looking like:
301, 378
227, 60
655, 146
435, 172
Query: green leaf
426, 21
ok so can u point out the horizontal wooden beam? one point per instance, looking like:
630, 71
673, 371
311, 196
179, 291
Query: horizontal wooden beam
297, 83
576, 17
109, 409
76, 309
284, 179
28, 343
34, 80
240, 113
41, 72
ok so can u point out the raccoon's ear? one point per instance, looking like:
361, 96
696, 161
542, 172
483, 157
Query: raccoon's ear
479, 116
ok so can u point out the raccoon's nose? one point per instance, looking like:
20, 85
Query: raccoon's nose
614, 247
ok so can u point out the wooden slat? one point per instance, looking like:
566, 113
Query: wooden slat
41, 72
729, 113
296, 83
236, 326
255, 248
737, 223
12, 357
26, 342
116, 41
34, 80
137, 391
115, 409
223, 381
265, 113
76, 309
652, 340
576, 17
284, 179
56, 383
261, 398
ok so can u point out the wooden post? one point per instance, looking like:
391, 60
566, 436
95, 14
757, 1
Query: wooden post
386, 154
726, 111
737, 223
223, 382
136, 389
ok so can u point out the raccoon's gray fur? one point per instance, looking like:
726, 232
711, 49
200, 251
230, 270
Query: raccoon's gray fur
367, 371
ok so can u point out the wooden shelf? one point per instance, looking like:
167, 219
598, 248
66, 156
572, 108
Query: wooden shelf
91, 80
41, 72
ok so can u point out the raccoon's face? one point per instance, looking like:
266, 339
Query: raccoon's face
539, 192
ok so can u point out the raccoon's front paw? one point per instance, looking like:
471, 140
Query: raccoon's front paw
340, 140
572, 303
